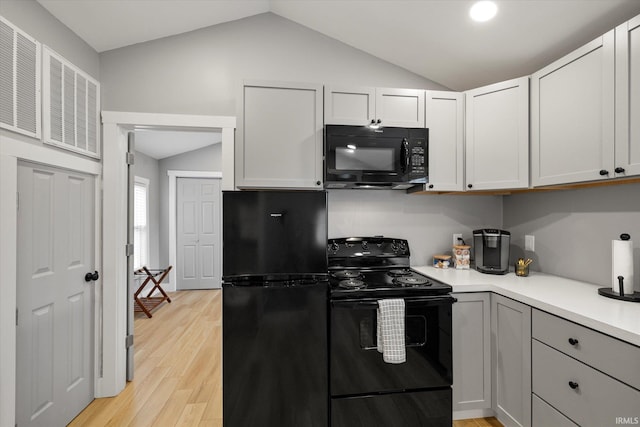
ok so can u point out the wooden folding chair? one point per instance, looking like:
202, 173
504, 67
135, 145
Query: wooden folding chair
148, 303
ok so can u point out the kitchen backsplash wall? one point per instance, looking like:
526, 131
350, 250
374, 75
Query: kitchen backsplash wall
201, 72
427, 222
573, 229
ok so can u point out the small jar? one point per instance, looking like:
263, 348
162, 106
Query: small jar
442, 261
522, 270
461, 256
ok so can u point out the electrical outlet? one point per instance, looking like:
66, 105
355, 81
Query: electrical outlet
529, 243
455, 238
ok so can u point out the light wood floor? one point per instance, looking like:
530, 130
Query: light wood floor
178, 374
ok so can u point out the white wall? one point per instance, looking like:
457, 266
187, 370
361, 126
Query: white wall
573, 229
427, 222
200, 72
149, 168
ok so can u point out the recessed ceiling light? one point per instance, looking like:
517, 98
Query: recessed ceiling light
482, 11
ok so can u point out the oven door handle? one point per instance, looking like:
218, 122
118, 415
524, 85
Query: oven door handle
409, 302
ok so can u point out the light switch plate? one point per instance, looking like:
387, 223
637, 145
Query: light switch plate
529, 243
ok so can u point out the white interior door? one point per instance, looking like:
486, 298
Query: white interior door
198, 233
55, 332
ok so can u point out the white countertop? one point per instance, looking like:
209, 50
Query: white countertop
571, 299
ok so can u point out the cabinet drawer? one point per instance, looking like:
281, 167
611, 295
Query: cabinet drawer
545, 415
594, 400
609, 355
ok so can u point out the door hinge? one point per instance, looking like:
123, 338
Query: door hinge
128, 341
131, 158
128, 249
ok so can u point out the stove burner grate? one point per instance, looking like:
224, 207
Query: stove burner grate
399, 272
352, 284
347, 274
411, 281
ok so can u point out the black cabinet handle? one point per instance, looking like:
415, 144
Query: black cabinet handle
91, 276
619, 170
573, 341
470, 185
318, 183
430, 185
604, 172
573, 385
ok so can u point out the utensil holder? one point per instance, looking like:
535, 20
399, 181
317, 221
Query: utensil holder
522, 270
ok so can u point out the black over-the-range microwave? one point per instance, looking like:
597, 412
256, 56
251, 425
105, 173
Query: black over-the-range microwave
385, 158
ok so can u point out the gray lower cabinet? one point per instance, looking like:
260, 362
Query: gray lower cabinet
511, 359
585, 376
280, 139
545, 415
471, 354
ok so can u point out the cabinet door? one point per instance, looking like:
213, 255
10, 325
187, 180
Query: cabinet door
444, 116
400, 107
627, 152
572, 116
349, 105
280, 141
497, 138
511, 360
472, 352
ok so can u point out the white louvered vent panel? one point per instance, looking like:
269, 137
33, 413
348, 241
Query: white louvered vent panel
72, 107
55, 100
81, 112
19, 80
6, 75
27, 105
69, 106
92, 111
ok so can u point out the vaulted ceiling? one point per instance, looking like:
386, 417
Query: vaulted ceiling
432, 38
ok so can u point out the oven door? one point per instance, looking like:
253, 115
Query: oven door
365, 159
356, 366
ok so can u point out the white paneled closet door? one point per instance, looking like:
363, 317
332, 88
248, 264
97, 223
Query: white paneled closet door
198, 234
55, 319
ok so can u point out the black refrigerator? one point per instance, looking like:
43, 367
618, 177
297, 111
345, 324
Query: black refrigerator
274, 317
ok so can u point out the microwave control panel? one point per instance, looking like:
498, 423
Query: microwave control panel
417, 152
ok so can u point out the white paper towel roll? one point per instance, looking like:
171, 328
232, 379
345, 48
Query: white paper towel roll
622, 263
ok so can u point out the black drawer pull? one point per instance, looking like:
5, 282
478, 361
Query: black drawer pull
573, 385
573, 341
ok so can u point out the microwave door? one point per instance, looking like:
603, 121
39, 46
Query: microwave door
363, 159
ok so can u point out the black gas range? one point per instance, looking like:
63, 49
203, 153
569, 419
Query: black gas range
362, 267
364, 389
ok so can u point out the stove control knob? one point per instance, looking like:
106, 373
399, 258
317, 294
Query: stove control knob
394, 246
335, 247
403, 246
365, 245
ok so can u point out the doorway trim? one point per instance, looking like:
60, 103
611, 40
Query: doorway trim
173, 228
116, 125
13, 149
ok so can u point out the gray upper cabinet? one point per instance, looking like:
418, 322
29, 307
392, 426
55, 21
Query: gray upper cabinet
572, 118
361, 105
472, 353
511, 359
627, 145
280, 141
497, 137
444, 116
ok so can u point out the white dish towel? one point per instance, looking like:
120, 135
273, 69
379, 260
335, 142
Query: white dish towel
390, 333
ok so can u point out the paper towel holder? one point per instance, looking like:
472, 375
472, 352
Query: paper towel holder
609, 293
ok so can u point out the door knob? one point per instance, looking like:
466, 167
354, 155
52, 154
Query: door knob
619, 170
604, 172
91, 276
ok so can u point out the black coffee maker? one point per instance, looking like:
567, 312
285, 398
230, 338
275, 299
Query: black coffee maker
492, 250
